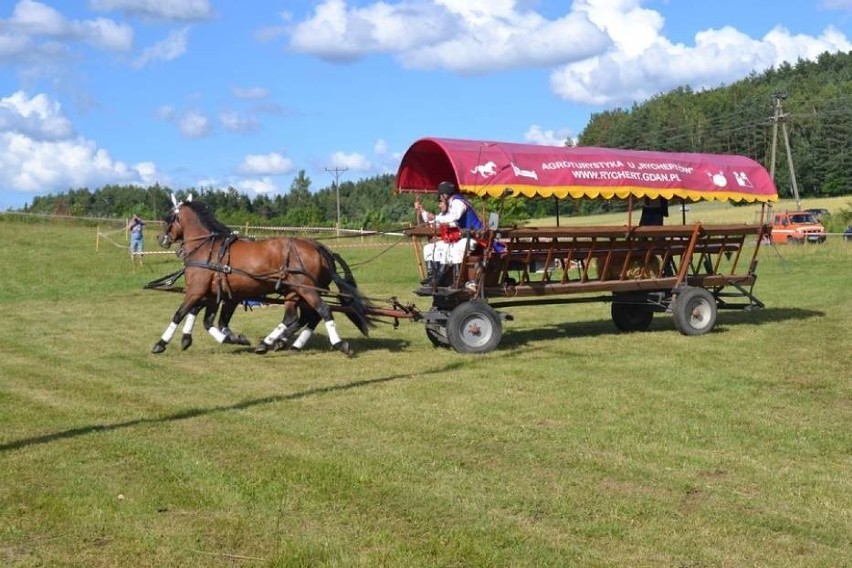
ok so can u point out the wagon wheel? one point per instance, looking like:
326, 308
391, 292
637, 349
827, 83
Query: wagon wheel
474, 327
437, 334
694, 311
631, 317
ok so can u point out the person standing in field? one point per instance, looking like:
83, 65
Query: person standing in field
135, 227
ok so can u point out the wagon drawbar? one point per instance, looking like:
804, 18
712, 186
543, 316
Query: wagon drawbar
688, 270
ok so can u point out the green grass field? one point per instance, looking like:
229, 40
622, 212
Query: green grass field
571, 445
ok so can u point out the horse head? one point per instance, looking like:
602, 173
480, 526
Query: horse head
172, 226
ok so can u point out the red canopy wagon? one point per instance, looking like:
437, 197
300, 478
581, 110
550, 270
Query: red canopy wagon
690, 270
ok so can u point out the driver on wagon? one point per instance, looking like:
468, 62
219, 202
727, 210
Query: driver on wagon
455, 218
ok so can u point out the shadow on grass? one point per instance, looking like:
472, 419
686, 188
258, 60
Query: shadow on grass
358, 345
196, 412
662, 322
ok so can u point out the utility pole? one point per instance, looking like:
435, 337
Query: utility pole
337, 171
777, 117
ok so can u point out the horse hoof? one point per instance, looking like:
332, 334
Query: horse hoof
159, 347
185, 341
343, 347
279, 345
241, 340
261, 348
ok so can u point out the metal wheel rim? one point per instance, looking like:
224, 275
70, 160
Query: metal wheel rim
700, 313
476, 330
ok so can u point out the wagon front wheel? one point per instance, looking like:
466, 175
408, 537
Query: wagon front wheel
694, 311
474, 327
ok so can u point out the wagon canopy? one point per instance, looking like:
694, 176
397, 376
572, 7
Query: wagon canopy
487, 168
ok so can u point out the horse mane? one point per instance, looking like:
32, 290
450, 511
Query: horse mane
206, 218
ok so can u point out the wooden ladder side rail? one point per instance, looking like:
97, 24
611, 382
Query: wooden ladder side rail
686, 258
726, 241
548, 260
418, 255
762, 235
603, 270
569, 260
577, 247
622, 274
737, 255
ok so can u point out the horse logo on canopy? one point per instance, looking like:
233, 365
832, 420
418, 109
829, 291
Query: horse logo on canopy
487, 169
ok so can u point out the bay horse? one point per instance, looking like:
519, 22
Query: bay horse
221, 268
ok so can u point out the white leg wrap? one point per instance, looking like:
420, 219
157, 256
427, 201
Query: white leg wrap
216, 334
303, 338
189, 323
332, 332
274, 334
169, 333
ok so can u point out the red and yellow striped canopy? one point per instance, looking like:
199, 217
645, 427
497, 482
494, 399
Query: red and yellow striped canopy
491, 168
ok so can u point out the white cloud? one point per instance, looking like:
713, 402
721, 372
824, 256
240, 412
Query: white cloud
165, 112
12, 45
837, 4
236, 122
147, 172
207, 182
601, 52
38, 117
190, 124
465, 36
39, 152
537, 135
258, 186
266, 164
387, 160
170, 10
171, 47
354, 161
38, 19
495, 39
32, 22
340, 34
250, 93
643, 63
194, 124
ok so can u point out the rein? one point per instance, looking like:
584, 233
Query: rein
375, 256
202, 238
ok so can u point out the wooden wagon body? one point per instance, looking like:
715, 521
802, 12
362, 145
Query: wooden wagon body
689, 270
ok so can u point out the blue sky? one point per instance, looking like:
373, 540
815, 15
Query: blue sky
221, 93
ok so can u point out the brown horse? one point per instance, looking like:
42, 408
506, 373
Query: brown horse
222, 269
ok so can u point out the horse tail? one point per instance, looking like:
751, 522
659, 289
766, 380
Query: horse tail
349, 296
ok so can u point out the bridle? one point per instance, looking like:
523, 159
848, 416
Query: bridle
170, 220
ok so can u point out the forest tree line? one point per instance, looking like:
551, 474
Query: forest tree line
811, 100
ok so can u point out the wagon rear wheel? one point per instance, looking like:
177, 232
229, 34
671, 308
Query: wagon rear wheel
694, 311
474, 327
631, 316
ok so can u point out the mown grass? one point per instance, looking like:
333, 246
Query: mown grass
571, 445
